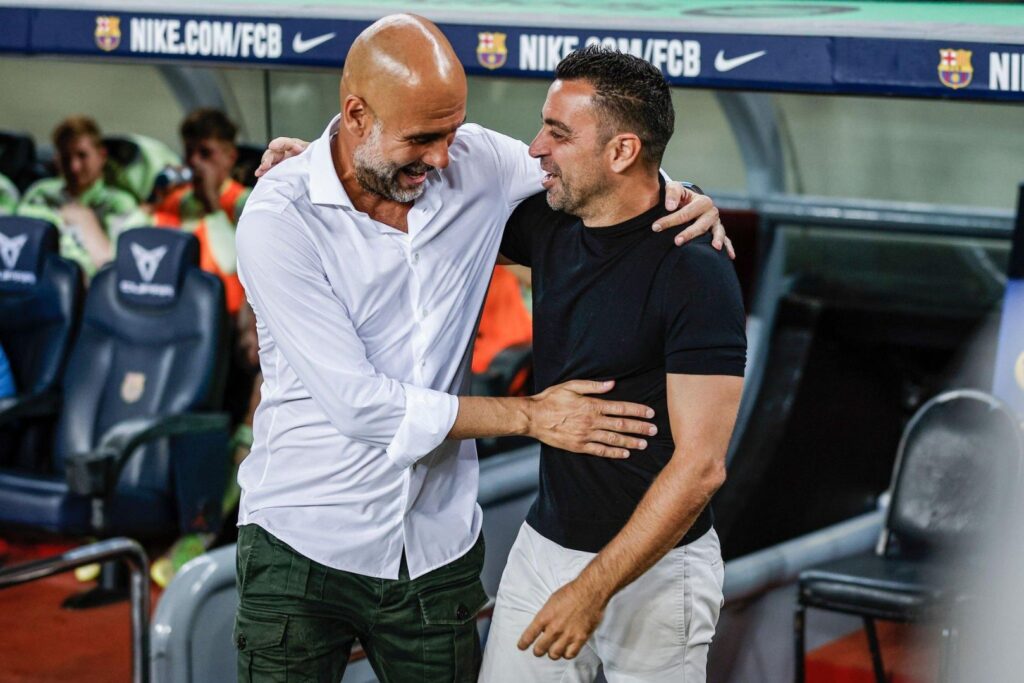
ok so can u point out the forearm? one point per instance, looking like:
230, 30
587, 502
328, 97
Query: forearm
664, 515
481, 417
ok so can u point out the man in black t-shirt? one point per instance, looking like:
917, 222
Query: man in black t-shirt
617, 564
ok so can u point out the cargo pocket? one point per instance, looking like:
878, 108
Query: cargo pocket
260, 645
449, 618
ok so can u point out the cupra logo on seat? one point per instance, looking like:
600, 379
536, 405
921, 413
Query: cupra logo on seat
147, 260
10, 249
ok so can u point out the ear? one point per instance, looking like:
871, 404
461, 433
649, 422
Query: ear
624, 152
356, 116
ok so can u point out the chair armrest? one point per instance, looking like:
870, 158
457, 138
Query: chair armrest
96, 472
27, 406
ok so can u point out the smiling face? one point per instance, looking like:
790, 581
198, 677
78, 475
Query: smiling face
571, 145
394, 159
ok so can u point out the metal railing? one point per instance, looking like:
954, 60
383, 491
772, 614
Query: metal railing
104, 551
875, 215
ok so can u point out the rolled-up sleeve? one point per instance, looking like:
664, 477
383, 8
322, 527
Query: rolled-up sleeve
285, 281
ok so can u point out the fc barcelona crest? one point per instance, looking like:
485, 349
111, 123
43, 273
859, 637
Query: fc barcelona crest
491, 51
955, 70
108, 33
132, 386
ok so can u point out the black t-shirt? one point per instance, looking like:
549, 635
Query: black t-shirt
623, 303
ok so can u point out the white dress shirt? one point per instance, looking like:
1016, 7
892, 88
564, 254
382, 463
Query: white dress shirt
365, 338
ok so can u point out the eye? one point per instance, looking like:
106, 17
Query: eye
555, 135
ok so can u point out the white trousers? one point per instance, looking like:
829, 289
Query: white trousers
658, 628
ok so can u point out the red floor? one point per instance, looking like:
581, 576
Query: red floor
43, 642
907, 654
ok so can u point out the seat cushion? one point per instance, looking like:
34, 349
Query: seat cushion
46, 503
41, 503
879, 587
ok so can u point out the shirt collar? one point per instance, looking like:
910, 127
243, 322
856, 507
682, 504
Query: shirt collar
93, 192
324, 185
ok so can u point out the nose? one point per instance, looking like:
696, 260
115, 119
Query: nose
437, 154
538, 148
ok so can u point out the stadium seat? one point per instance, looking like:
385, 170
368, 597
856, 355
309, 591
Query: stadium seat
40, 306
139, 451
18, 159
135, 162
249, 157
956, 476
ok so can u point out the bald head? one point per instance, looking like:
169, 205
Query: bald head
399, 57
403, 98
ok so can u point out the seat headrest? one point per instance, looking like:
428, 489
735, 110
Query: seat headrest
24, 244
122, 151
151, 263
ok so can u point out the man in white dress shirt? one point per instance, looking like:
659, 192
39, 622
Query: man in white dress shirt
366, 260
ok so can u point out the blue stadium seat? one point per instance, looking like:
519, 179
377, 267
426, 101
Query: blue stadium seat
139, 450
40, 307
18, 159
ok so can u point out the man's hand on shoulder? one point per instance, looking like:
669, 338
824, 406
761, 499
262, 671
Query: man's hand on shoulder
278, 150
690, 206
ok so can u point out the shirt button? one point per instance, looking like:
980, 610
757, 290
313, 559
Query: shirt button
423, 312
241, 641
423, 363
462, 613
415, 258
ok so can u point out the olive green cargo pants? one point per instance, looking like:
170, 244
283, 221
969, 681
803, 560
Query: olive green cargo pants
298, 620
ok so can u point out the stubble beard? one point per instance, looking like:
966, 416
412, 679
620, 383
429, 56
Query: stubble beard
379, 175
574, 196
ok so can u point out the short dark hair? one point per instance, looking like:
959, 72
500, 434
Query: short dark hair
74, 127
206, 123
630, 92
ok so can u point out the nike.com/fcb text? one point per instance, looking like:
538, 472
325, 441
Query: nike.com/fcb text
206, 38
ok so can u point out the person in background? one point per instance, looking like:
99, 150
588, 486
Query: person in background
209, 205
89, 213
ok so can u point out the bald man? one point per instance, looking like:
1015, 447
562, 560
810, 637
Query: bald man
366, 260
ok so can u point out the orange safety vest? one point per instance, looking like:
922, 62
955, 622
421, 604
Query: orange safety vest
503, 323
168, 215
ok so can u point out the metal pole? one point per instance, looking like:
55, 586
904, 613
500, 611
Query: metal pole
112, 549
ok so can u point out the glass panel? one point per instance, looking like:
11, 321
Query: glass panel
144, 104
302, 102
935, 151
244, 93
897, 271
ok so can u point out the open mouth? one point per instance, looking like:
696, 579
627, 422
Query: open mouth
549, 180
415, 176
